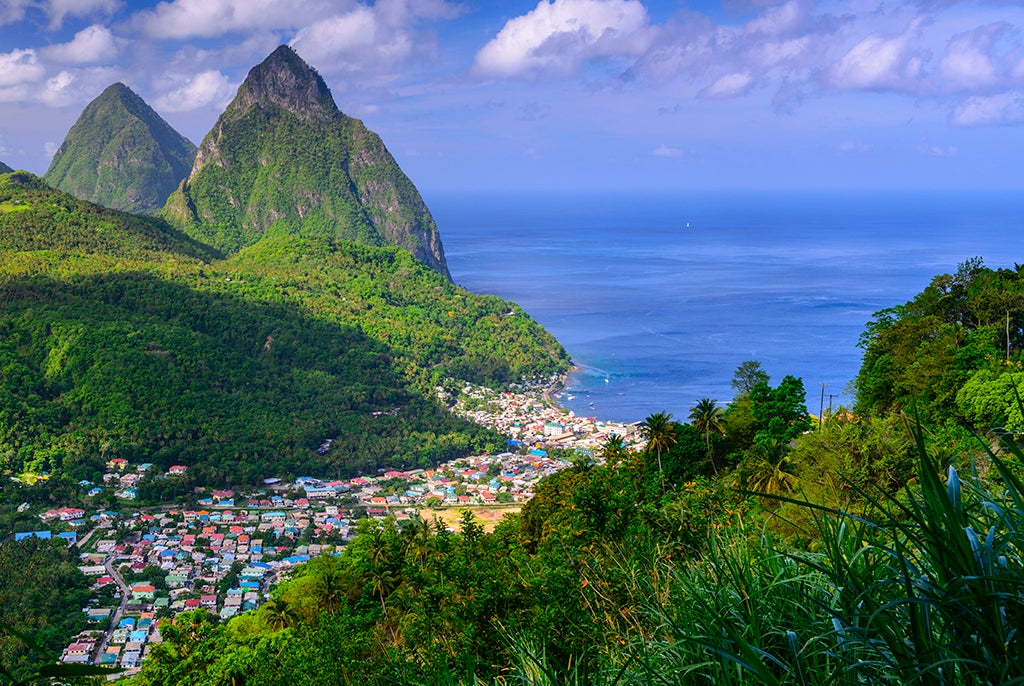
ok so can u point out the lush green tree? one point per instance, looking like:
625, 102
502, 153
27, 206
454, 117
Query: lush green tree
780, 411
706, 417
660, 433
747, 375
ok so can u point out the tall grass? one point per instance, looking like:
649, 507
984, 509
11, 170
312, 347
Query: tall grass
930, 593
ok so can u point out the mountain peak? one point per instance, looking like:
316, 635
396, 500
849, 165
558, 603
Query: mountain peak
122, 154
285, 80
4, 169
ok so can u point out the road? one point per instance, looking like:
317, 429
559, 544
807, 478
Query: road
108, 564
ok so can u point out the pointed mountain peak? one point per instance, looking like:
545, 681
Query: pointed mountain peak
122, 154
285, 80
4, 169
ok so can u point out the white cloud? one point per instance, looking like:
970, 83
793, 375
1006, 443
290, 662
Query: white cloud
58, 90
729, 86
210, 18
89, 46
57, 10
560, 36
854, 147
20, 67
666, 151
771, 53
987, 110
938, 150
880, 62
778, 20
352, 41
206, 88
967, 64
13, 10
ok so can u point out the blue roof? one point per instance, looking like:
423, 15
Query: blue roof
29, 534
537, 452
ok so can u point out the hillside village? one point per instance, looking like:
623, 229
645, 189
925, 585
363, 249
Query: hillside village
224, 552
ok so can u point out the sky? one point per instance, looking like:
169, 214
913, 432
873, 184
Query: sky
568, 95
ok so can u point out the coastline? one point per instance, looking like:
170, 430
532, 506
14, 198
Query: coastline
558, 386
531, 418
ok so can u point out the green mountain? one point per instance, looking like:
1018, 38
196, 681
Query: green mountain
36, 219
282, 159
121, 154
120, 336
4, 169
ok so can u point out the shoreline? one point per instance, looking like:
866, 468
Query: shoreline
556, 387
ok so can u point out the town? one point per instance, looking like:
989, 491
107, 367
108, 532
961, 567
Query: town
224, 551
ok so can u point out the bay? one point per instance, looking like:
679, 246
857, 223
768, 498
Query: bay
659, 297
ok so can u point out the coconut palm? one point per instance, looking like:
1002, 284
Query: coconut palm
278, 614
706, 417
613, 451
660, 432
769, 471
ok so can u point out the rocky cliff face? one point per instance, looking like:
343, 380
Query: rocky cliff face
121, 154
282, 159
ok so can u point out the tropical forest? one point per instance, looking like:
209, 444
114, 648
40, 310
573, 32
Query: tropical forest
266, 316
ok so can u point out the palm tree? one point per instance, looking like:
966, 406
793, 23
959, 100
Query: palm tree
706, 417
660, 432
330, 588
279, 614
614, 450
769, 473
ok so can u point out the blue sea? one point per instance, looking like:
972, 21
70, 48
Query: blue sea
658, 298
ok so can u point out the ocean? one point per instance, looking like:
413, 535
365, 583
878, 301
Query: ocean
659, 297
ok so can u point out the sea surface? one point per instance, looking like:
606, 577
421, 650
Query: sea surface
658, 298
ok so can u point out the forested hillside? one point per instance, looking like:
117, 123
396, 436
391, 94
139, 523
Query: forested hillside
283, 160
123, 337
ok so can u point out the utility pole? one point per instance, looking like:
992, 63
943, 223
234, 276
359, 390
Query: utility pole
821, 405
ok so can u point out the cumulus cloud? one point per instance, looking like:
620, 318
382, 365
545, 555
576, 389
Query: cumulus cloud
372, 40
560, 36
20, 67
210, 87
179, 19
729, 86
59, 89
13, 10
1003, 109
881, 62
89, 46
778, 20
967, 64
354, 40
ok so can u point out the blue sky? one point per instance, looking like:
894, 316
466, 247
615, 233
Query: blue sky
568, 94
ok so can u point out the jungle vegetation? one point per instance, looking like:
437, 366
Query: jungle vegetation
884, 545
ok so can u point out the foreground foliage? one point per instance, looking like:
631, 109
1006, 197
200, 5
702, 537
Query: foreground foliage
602, 579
